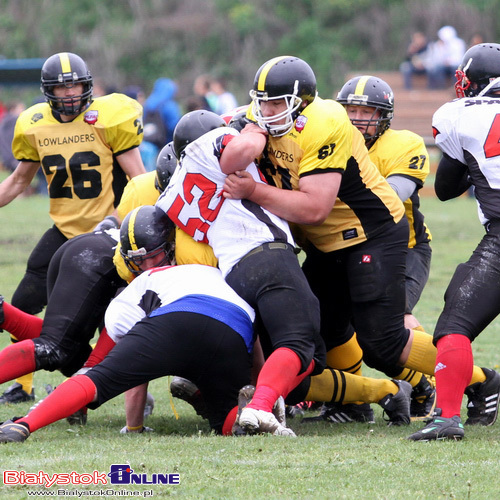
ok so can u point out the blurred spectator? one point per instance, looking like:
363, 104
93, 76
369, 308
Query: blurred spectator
201, 88
7, 125
149, 151
161, 112
225, 101
475, 39
415, 63
195, 102
444, 56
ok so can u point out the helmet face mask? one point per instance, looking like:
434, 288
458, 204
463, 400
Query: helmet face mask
478, 73
66, 70
145, 234
372, 92
285, 78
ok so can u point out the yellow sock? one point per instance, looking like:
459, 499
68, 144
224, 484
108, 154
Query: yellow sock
410, 376
423, 353
338, 386
26, 380
347, 357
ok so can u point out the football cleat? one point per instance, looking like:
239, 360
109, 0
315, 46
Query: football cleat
482, 408
187, 391
251, 421
262, 421
10, 432
397, 406
423, 400
15, 394
440, 428
338, 413
299, 409
78, 418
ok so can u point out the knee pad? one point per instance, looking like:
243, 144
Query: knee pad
48, 356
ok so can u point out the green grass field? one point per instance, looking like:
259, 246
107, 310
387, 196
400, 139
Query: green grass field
356, 461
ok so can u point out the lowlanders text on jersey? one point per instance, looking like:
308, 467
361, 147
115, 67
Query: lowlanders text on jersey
118, 474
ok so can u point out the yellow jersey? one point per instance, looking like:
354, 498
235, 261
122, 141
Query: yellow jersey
401, 152
78, 158
324, 140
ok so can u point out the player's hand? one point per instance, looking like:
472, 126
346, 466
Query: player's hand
239, 186
252, 127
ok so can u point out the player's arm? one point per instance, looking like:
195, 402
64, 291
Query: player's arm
310, 204
452, 178
403, 186
243, 149
17, 181
131, 162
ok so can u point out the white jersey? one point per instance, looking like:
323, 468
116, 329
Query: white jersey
468, 130
191, 288
194, 202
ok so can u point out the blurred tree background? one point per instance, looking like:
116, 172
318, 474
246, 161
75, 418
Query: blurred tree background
129, 42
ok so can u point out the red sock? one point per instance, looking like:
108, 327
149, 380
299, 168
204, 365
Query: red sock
454, 363
20, 324
227, 428
279, 375
16, 360
72, 395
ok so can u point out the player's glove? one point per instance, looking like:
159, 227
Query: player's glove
109, 222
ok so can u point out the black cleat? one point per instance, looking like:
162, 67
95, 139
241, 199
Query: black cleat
187, 391
423, 400
338, 413
440, 428
397, 406
15, 394
482, 408
10, 432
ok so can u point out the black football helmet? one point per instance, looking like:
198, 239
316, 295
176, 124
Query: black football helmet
284, 77
479, 71
145, 232
192, 126
66, 69
373, 92
165, 166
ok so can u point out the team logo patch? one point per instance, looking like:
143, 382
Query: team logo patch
349, 234
300, 123
36, 117
90, 117
366, 259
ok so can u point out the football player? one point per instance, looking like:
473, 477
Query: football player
467, 132
155, 322
349, 220
403, 160
86, 148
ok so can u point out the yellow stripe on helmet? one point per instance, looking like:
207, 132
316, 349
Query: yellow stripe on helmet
360, 87
131, 232
65, 64
265, 70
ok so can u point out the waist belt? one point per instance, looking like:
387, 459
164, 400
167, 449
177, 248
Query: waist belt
272, 245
